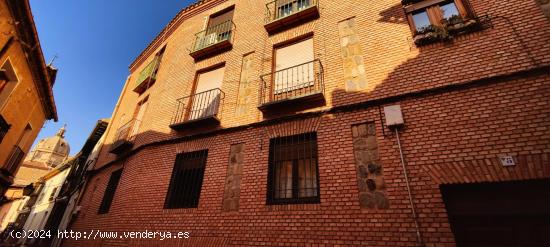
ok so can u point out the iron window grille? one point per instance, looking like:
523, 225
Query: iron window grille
293, 175
110, 192
52, 194
186, 182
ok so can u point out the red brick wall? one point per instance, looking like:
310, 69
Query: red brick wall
450, 136
454, 137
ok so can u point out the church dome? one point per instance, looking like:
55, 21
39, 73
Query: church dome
51, 150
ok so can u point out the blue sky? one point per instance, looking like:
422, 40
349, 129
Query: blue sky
95, 42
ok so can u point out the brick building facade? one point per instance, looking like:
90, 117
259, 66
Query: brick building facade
292, 147
26, 88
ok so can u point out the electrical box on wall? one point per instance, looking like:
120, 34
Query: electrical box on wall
394, 116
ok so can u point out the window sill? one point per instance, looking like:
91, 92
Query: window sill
294, 207
179, 210
450, 31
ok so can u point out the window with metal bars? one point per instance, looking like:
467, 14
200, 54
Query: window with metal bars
110, 192
52, 194
293, 175
186, 183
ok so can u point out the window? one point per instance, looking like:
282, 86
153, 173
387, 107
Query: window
139, 112
218, 29
424, 15
220, 17
421, 20
110, 192
8, 82
287, 7
17, 154
449, 10
205, 101
186, 183
52, 194
293, 175
294, 66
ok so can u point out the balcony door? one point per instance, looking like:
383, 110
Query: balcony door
218, 29
138, 116
8, 81
294, 68
205, 102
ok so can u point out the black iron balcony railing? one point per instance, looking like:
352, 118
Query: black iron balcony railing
203, 107
297, 82
14, 160
147, 76
4, 127
125, 136
214, 39
282, 13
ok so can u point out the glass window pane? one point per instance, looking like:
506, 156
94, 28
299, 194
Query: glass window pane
283, 180
284, 10
449, 10
421, 20
293, 169
302, 4
307, 177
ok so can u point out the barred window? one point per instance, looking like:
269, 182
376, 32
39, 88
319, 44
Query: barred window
52, 194
110, 192
186, 183
293, 175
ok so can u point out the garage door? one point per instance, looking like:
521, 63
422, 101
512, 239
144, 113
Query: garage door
499, 214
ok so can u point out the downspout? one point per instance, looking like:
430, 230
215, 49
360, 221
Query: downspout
394, 120
419, 240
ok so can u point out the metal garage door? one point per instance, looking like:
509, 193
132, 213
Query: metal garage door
499, 214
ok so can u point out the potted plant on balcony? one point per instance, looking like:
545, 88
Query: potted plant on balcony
450, 27
431, 34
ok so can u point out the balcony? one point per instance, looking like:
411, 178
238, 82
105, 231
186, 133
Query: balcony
198, 109
147, 76
4, 127
125, 136
14, 160
451, 28
213, 40
298, 84
282, 14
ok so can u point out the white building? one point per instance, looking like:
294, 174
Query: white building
49, 153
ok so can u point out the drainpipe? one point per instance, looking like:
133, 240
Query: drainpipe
394, 120
411, 202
